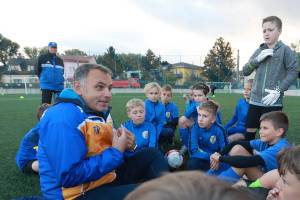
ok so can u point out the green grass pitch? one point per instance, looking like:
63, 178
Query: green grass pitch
17, 116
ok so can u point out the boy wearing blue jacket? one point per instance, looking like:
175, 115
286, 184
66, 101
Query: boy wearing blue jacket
144, 132
236, 128
155, 110
26, 157
80, 154
256, 157
172, 116
207, 137
200, 92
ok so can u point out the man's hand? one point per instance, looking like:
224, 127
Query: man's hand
271, 98
131, 145
119, 140
214, 161
263, 55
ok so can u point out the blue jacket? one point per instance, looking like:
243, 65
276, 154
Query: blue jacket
145, 134
205, 142
240, 115
172, 115
75, 148
155, 114
27, 151
50, 70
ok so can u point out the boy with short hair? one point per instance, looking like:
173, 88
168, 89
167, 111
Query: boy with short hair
207, 137
172, 116
144, 132
155, 110
26, 157
256, 157
200, 92
276, 67
236, 126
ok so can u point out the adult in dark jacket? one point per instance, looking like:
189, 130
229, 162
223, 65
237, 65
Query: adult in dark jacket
50, 70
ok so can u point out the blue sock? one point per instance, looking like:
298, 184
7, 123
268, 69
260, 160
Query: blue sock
229, 176
184, 135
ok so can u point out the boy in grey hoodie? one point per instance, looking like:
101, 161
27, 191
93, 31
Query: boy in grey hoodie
276, 67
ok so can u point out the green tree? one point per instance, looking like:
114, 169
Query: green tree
219, 62
8, 49
74, 52
31, 52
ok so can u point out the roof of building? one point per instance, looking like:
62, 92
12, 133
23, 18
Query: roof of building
79, 59
185, 65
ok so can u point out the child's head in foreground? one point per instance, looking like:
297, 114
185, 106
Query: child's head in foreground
136, 110
152, 91
273, 126
191, 185
289, 171
207, 113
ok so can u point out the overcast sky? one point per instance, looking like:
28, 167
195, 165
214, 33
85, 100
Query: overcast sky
169, 27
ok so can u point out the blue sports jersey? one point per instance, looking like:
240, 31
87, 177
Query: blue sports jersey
205, 142
172, 112
145, 134
155, 114
27, 151
192, 112
239, 117
269, 152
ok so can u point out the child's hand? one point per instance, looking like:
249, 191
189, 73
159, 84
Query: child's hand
214, 161
264, 54
273, 194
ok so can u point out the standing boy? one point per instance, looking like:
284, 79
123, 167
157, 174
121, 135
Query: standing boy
276, 68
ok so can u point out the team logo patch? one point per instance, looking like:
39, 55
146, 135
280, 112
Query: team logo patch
168, 114
145, 134
96, 130
212, 139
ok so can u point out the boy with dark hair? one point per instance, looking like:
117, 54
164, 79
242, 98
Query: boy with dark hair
276, 67
236, 126
172, 116
26, 157
287, 188
256, 157
207, 137
200, 92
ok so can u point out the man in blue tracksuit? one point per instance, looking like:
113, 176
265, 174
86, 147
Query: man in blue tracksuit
50, 70
80, 154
